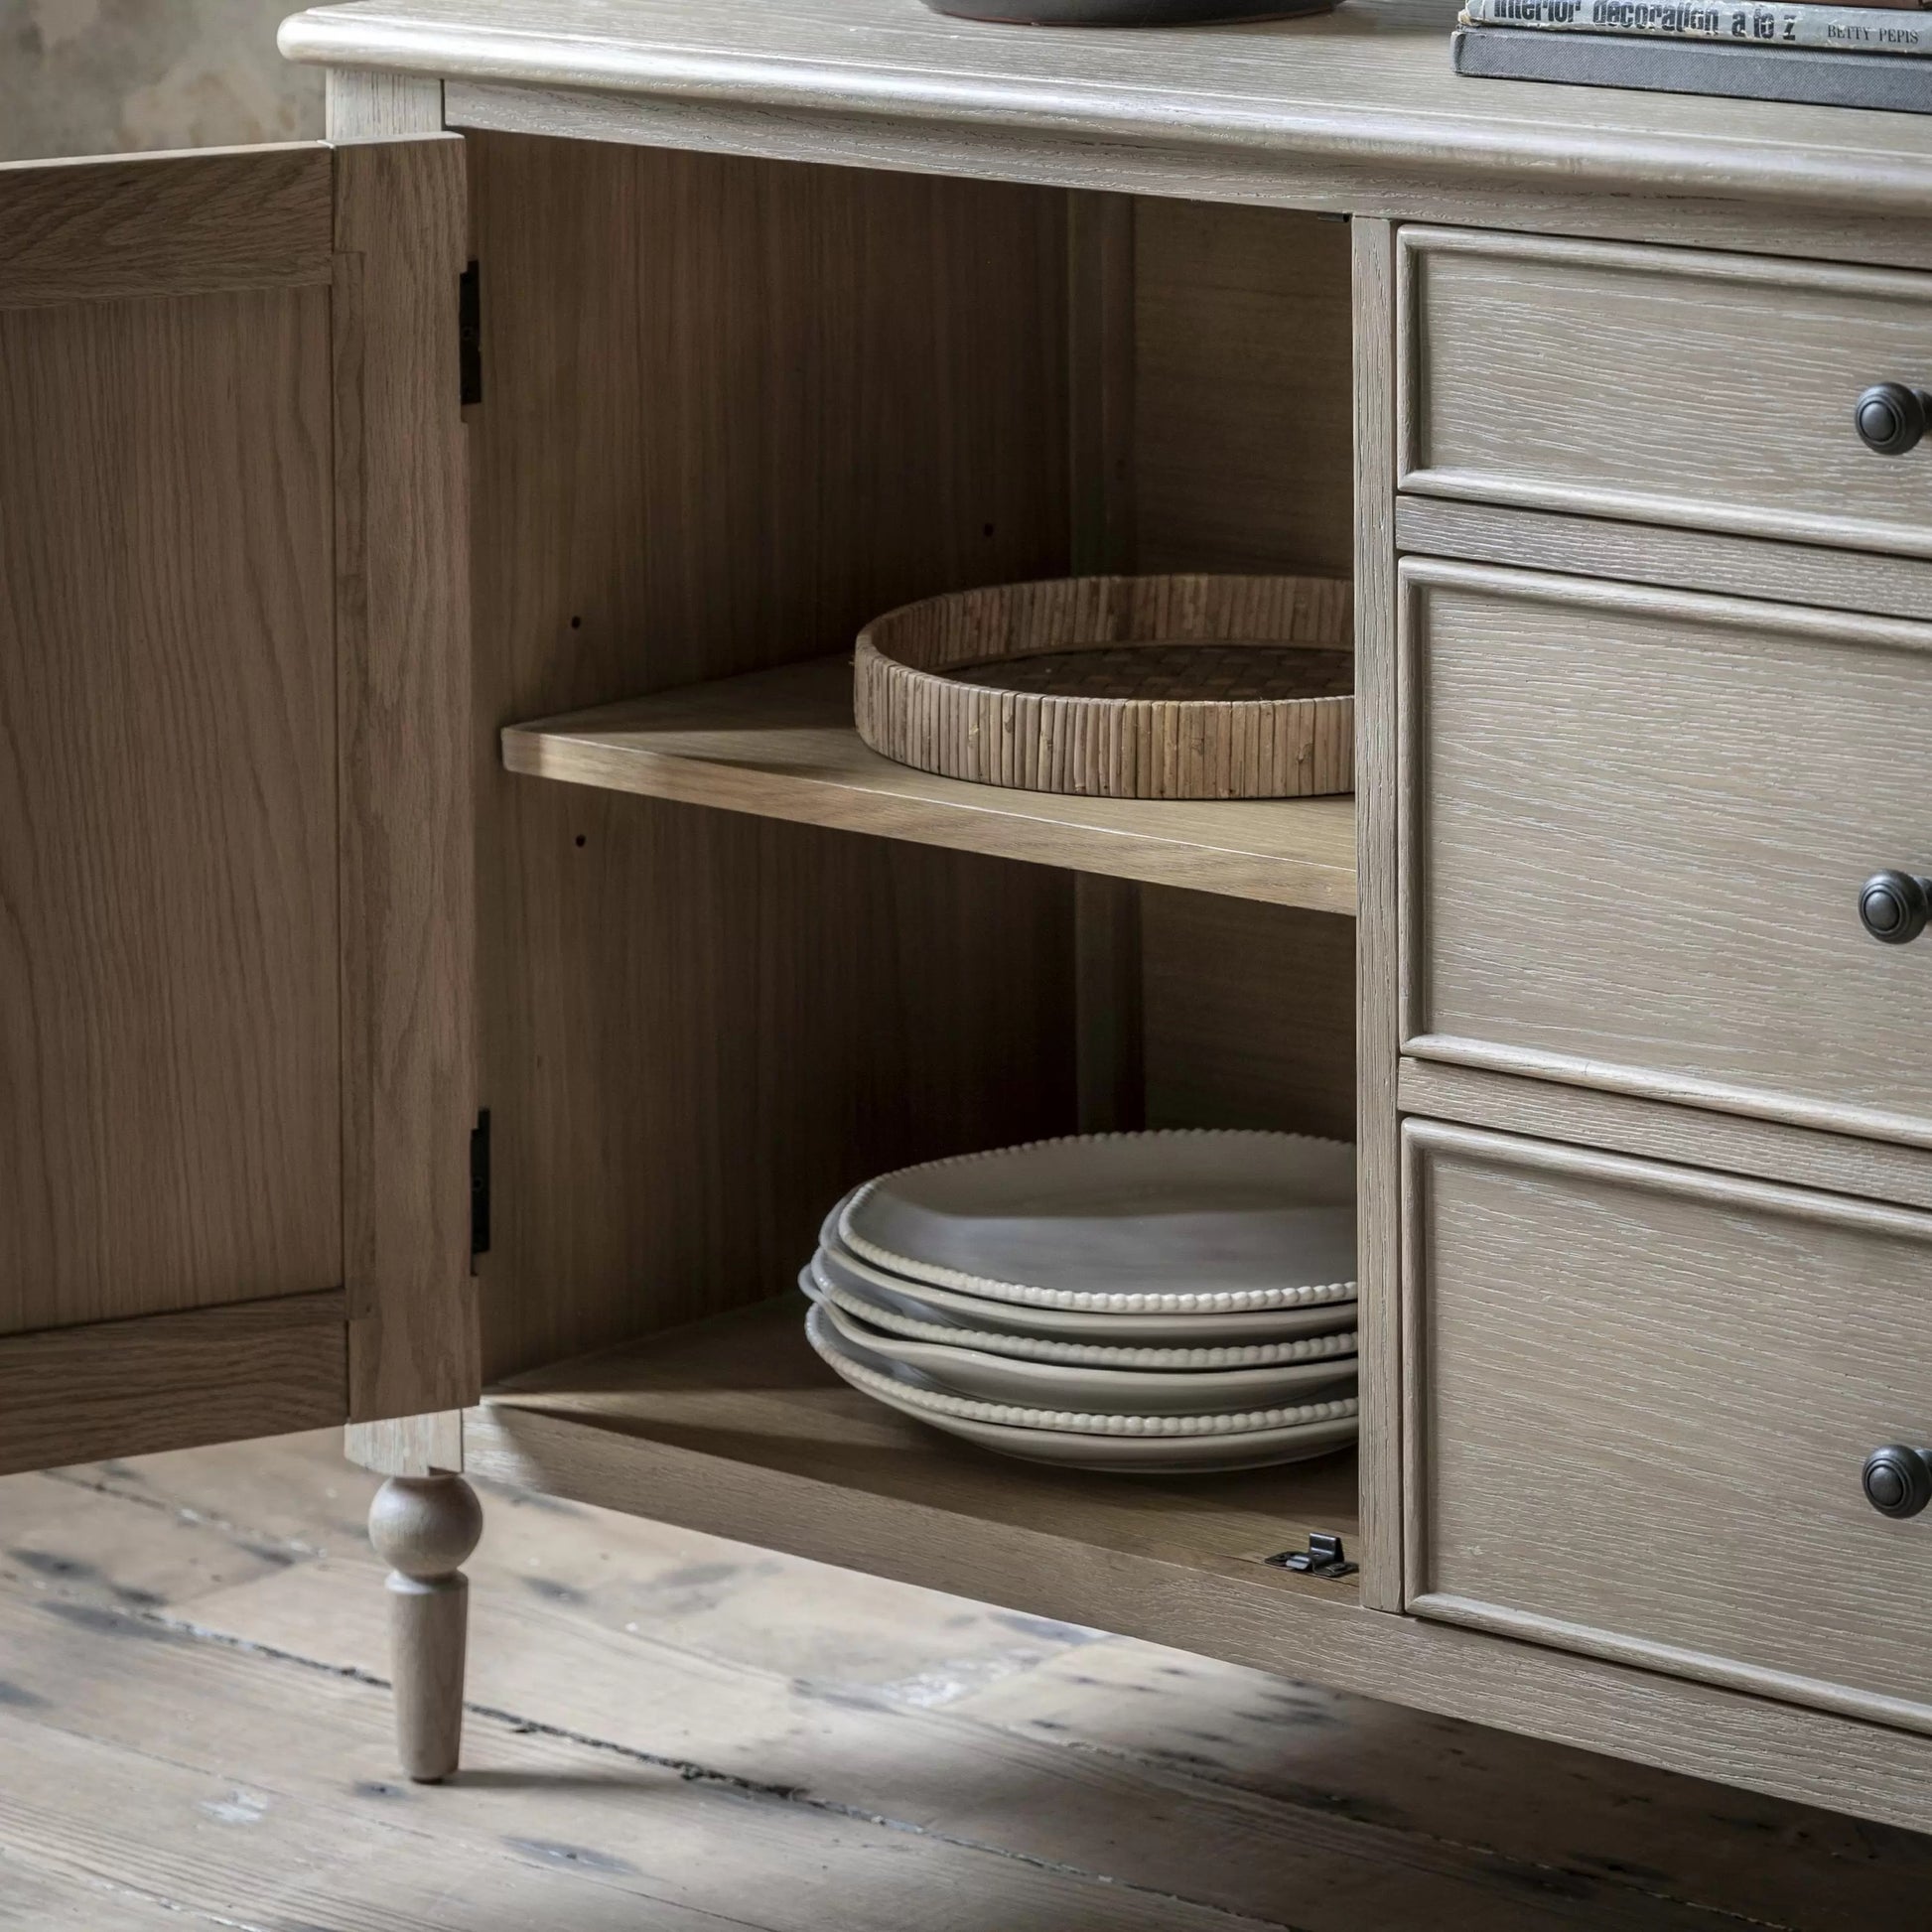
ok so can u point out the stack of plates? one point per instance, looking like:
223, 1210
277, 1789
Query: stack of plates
1159, 1302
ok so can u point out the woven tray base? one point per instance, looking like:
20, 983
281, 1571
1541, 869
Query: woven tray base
1223, 673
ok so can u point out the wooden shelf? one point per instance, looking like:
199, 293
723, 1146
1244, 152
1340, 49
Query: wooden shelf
733, 1426
780, 744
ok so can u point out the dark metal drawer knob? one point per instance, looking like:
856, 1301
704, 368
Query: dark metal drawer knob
1894, 907
1890, 417
1899, 1480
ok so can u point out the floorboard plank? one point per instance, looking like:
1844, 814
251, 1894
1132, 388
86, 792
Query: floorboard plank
1135, 1823
1583, 1817
235, 1781
688, 1728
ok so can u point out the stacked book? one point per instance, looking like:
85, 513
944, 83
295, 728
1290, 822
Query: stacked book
1868, 56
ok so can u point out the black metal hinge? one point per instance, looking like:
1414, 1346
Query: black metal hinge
469, 325
480, 1187
1323, 1558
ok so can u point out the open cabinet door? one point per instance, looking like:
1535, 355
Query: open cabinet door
236, 1063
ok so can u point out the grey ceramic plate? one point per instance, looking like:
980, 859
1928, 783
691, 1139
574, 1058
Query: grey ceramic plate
1188, 1221
876, 1315
1053, 1385
1255, 1448
944, 1307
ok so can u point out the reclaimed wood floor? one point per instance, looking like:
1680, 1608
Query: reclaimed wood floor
670, 1734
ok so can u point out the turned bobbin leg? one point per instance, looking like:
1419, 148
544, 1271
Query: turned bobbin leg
424, 1528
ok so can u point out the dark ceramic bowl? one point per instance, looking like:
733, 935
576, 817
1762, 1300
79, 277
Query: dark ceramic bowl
1127, 13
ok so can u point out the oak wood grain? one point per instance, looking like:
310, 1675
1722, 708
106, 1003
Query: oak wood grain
409, 901
1309, 176
781, 743
1102, 284
1649, 553
178, 224
1661, 420
1110, 1020
1242, 448
1720, 1357
1638, 824
1249, 1014
1347, 103
170, 1132
365, 106
1109, 1058
1619, 1124
733, 411
430, 1444
167, 1381
1381, 787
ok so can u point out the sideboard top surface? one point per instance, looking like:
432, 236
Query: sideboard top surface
1365, 93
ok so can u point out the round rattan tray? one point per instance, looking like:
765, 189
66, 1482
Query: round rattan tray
1119, 687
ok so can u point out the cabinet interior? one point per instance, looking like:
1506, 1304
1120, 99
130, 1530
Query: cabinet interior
731, 410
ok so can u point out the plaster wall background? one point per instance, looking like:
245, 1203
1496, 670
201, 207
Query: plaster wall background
99, 76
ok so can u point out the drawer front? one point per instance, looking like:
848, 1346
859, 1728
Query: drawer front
1639, 823
1645, 1396
1712, 391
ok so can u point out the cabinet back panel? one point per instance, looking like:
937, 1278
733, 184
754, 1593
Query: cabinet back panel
170, 1118
1250, 1014
1244, 453
1243, 460
732, 410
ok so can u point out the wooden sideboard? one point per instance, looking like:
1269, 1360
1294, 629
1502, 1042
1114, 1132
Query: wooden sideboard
452, 944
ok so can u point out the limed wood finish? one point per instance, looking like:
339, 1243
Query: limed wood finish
409, 901
1638, 822
171, 1381
731, 1427
1722, 1356
1586, 376
781, 743
380, 106
1684, 560
732, 410
1730, 1143
1355, 113
1380, 784
1356, 109
170, 1121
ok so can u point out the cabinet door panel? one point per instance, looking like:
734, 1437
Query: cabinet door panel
235, 916
169, 1116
